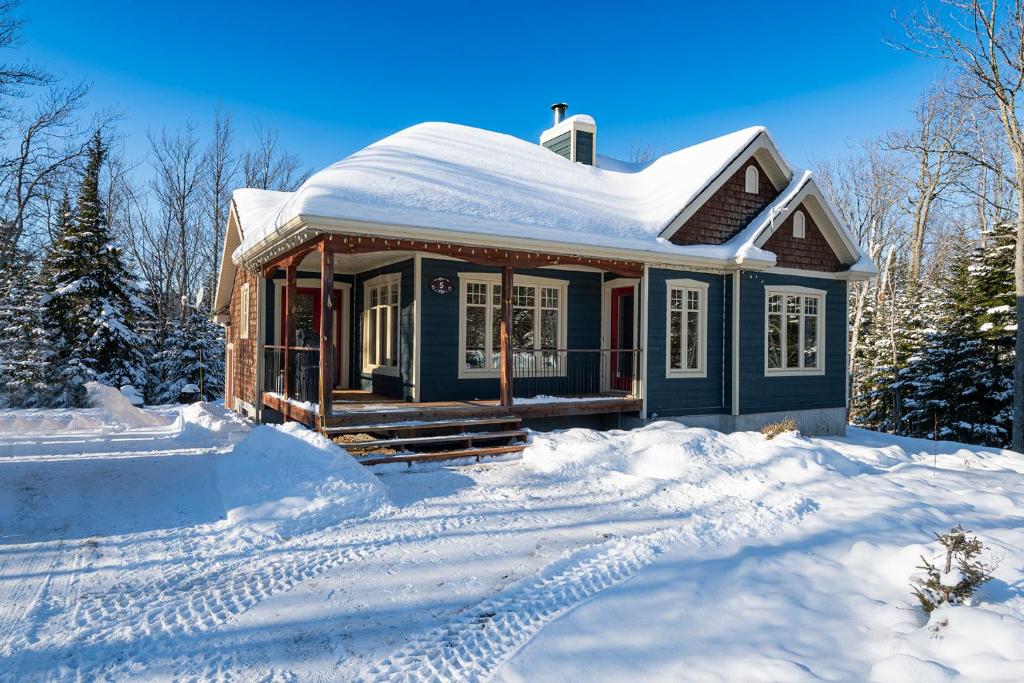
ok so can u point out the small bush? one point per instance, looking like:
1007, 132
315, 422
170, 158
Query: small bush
961, 575
773, 429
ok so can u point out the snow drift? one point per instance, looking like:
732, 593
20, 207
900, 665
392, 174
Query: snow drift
287, 480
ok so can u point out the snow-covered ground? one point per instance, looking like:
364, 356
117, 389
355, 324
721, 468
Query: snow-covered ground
184, 543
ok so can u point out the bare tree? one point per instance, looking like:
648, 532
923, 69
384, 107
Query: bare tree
267, 168
15, 78
865, 187
933, 164
984, 41
219, 173
49, 143
177, 188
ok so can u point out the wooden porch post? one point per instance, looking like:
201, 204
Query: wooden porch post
326, 331
290, 294
506, 337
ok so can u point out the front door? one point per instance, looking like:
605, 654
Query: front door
621, 362
307, 325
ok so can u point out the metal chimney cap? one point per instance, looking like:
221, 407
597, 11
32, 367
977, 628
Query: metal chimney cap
559, 109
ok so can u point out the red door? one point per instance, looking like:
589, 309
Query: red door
621, 356
307, 322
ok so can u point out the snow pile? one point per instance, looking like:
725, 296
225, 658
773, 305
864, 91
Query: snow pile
959, 642
119, 408
286, 480
672, 451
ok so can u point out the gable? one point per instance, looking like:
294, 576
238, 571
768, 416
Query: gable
729, 209
811, 252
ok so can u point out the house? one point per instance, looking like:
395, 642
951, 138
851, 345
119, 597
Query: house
447, 272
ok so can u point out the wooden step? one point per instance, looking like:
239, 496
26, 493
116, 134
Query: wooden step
445, 455
513, 422
465, 437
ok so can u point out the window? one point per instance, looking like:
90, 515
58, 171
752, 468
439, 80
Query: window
753, 179
244, 311
380, 324
686, 331
538, 324
799, 225
794, 331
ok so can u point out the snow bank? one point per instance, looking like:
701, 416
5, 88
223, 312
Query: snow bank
670, 450
111, 410
286, 480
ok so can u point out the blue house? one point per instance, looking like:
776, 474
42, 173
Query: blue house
449, 282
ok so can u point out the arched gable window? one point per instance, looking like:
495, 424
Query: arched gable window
753, 178
799, 225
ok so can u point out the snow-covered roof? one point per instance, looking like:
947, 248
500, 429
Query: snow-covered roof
458, 178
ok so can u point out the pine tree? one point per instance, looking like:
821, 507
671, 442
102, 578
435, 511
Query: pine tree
23, 347
193, 354
92, 301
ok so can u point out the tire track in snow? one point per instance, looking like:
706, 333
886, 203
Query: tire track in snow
472, 647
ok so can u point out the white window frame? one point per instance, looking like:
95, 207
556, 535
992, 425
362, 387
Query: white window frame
799, 225
389, 280
751, 180
687, 285
244, 311
794, 290
492, 279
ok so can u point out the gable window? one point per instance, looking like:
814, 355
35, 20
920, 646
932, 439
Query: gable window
753, 179
538, 324
244, 312
380, 324
799, 225
794, 331
686, 329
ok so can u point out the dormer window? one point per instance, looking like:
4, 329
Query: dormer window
799, 225
753, 179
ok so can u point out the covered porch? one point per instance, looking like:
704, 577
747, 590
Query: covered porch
419, 331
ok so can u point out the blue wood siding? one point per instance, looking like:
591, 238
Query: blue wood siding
440, 337
679, 396
377, 382
561, 145
585, 147
761, 393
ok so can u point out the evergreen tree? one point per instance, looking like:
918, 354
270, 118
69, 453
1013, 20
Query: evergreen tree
193, 354
92, 299
23, 343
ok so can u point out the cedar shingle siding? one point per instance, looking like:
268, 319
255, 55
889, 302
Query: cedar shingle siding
727, 211
243, 354
812, 252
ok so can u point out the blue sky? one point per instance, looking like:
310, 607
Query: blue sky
336, 77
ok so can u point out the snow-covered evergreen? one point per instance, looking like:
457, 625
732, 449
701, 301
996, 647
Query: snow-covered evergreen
92, 303
192, 354
23, 341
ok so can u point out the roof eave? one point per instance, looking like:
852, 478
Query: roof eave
306, 226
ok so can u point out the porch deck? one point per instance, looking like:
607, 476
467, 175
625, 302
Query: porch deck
355, 408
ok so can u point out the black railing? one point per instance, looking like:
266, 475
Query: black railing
575, 373
304, 364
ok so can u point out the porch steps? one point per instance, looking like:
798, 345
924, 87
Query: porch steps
435, 440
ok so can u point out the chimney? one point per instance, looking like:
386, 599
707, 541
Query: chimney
574, 138
559, 109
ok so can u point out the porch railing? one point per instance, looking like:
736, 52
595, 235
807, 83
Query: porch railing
575, 373
304, 366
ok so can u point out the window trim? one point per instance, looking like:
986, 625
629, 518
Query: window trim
686, 284
751, 180
371, 368
244, 311
797, 290
799, 225
517, 280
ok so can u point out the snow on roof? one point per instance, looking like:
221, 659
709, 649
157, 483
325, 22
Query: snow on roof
458, 178
256, 206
